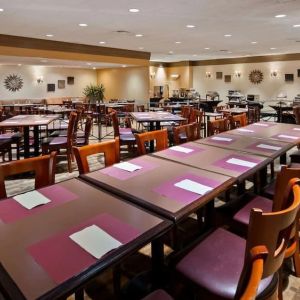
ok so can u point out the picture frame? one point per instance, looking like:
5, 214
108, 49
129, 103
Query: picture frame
289, 77
70, 80
227, 78
61, 84
219, 75
298, 71
51, 87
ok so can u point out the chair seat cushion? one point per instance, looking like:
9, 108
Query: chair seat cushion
243, 215
56, 141
216, 264
127, 138
59, 133
158, 295
123, 130
80, 141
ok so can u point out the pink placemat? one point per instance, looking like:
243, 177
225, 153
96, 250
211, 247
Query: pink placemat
292, 133
62, 258
211, 139
11, 210
222, 163
254, 147
171, 152
169, 190
124, 175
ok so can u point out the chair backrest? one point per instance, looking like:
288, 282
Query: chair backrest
71, 128
186, 133
253, 114
115, 123
296, 111
42, 166
217, 126
271, 230
140, 108
160, 137
185, 112
88, 129
109, 148
239, 120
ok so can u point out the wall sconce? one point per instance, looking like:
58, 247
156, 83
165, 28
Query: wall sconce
40, 80
274, 73
208, 75
175, 76
237, 74
152, 75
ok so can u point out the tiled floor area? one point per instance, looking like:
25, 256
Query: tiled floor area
102, 287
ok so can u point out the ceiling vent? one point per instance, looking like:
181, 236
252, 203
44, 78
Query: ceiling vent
122, 32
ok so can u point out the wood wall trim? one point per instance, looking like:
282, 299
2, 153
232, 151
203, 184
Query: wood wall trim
40, 44
172, 64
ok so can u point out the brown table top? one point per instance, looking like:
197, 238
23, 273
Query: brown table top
279, 131
76, 203
214, 159
258, 146
235, 110
153, 187
28, 120
155, 116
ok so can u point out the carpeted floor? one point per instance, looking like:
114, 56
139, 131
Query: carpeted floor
134, 268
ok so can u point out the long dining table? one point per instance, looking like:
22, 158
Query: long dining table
40, 253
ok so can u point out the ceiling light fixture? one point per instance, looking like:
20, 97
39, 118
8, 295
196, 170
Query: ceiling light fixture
94, 68
134, 10
280, 16
102, 42
194, 54
171, 52
141, 48
44, 60
253, 42
1, 9
49, 35
207, 48
139, 35
124, 66
272, 48
227, 35
190, 26
177, 42
297, 25
82, 25
19, 65
89, 64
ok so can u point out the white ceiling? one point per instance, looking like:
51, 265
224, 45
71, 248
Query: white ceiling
162, 23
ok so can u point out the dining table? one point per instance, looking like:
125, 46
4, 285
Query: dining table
48, 238
25, 122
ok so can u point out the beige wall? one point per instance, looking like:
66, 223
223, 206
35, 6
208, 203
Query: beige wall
268, 89
130, 83
31, 89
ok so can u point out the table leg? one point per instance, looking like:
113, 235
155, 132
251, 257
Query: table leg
151, 128
157, 249
36, 140
283, 159
79, 295
26, 141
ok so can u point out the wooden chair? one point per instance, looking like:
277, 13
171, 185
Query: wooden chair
198, 117
109, 148
217, 126
186, 133
42, 166
140, 108
160, 137
5, 147
237, 121
283, 185
62, 142
222, 266
253, 114
82, 140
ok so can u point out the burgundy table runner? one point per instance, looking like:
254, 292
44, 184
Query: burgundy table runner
255, 146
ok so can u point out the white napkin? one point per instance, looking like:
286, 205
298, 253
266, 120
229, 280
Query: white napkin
241, 162
31, 199
182, 149
95, 241
261, 124
288, 136
245, 130
218, 138
296, 129
126, 166
193, 186
269, 147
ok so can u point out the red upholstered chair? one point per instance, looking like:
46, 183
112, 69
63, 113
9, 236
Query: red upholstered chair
110, 149
63, 142
42, 166
221, 265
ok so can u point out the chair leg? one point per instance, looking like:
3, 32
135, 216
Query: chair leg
296, 261
69, 159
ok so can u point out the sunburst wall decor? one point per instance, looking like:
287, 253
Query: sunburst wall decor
13, 83
256, 76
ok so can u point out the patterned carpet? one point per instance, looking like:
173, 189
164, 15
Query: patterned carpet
102, 287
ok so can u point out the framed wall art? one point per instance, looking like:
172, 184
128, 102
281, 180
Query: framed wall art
289, 77
219, 75
70, 80
61, 84
51, 87
227, 78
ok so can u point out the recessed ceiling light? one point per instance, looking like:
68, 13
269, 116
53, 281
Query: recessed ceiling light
134, 10
253, 42
124, 66
207, 48
280, 16
227, 35
49, 35
171, 52
102, 42
89, 64
1, 9
177, 42
194, 54
44, 60
94, 68
297, 25
272, 48
141, 48
139, 35
83, 25
229, 52
19, 65
190, 26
